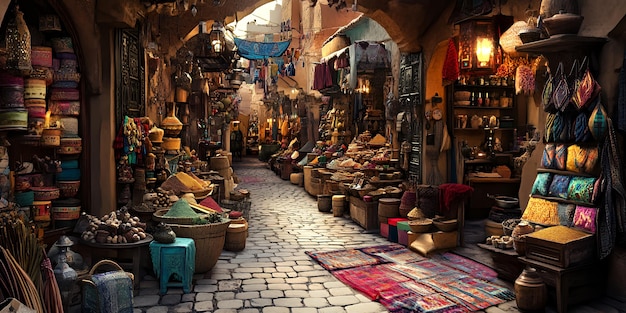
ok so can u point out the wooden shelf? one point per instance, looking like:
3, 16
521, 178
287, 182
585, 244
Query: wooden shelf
483, 129
483, 87
561, 200
561, 172
481, 108
560, 43
488, 180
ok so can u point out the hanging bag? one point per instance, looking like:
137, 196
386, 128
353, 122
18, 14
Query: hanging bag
546, 94
561, 92
586, 88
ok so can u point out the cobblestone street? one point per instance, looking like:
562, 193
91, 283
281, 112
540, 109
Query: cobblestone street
273, 274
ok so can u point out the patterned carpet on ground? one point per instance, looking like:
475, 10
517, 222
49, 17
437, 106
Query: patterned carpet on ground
404, 281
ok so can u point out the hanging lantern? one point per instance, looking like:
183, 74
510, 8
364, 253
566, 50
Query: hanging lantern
476, 44
18, 44
216, 38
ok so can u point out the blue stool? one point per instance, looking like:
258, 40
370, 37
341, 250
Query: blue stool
175, 259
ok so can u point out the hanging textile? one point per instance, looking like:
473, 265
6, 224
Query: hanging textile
451, 70
621, 98
370, 55
612, 219
252, 50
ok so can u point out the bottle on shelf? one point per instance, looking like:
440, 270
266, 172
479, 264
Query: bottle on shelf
479, 100
472, 99
487, 100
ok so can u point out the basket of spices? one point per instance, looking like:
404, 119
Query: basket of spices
421, 225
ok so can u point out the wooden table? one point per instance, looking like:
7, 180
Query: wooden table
130, 256
505, 262
573, 284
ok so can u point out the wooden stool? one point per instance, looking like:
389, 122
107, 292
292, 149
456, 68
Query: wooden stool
174, 259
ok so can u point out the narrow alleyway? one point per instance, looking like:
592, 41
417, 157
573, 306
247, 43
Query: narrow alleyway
273, 274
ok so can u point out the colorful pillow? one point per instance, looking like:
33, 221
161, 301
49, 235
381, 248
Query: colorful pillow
592, 160
581, 128
549, 124
559, 186
542, 184
598, 188
560, 128
585, 218
576, 158
560, 156
566, 214
541, 211
549, 152
598, 122
581, 189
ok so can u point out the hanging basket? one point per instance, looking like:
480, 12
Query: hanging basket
510, 38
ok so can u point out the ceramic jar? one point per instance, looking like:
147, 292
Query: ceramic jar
519, 241
530, 291
171, 124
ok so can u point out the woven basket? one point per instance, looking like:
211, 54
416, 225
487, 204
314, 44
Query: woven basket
209, 240
420, 225
509, 225
510, 38
445, 225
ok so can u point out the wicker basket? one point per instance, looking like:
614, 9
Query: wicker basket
445, 225
509, 225
420, 225
209, 240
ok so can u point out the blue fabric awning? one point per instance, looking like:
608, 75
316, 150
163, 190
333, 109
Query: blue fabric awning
253, 50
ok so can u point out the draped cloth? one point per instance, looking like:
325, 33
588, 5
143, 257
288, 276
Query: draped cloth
621, 98
252, 50
612, 217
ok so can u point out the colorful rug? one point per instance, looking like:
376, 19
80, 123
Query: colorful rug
466, 265
404, 281
341, 259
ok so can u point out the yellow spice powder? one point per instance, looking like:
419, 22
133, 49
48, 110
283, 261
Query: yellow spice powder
559, 234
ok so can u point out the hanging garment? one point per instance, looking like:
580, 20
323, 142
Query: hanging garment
451, 70
621, 98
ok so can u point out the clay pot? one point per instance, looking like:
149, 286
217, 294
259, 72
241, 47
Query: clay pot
531, 293
550, 7
519, 238
563, 23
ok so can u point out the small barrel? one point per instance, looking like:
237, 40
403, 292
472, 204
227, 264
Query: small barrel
388, 207
324, 203
296, 178
339, 203
236, 237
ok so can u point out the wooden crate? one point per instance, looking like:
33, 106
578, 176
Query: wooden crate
364, 213
574, 252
